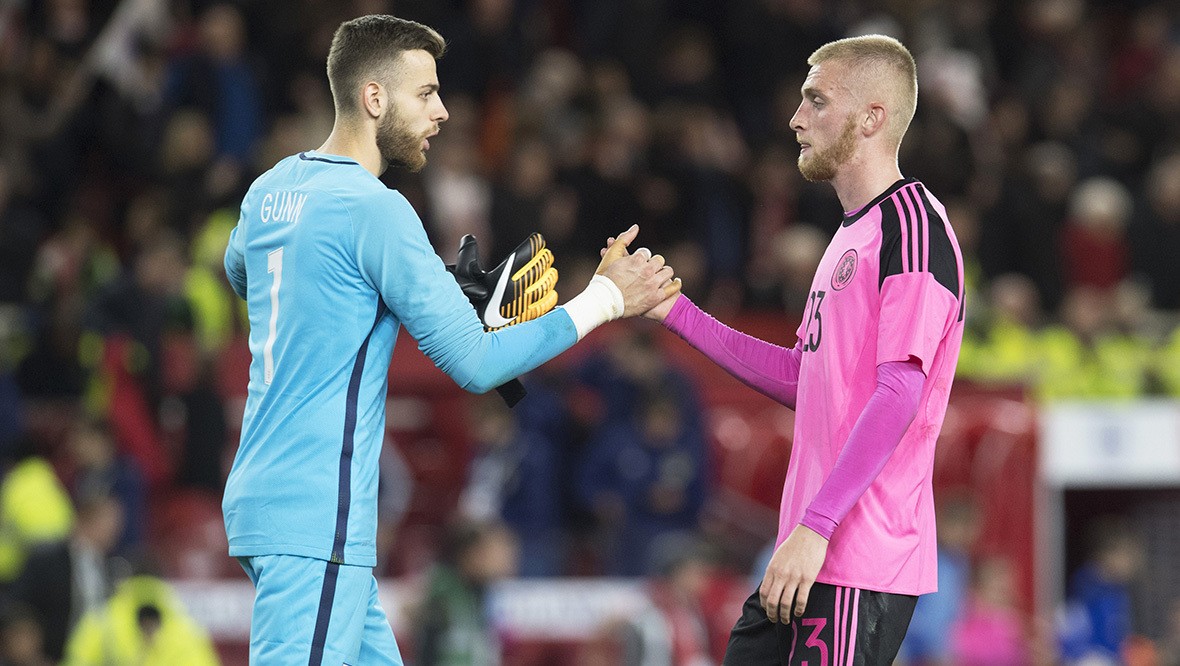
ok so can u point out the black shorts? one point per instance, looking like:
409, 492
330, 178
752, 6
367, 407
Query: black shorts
842, 626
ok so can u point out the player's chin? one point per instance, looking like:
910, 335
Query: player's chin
416, 163
815, 172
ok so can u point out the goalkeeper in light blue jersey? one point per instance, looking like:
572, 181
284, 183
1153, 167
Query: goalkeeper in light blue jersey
332, 264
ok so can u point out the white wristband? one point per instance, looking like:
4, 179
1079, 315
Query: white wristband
600, 302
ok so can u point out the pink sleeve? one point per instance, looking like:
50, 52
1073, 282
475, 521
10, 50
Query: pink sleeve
767, 368
876, 434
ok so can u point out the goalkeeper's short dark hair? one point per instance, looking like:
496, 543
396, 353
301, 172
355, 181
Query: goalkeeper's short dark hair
367, 47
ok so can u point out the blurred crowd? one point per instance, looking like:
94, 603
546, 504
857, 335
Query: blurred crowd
129, 130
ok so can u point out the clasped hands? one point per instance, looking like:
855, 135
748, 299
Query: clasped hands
648, 284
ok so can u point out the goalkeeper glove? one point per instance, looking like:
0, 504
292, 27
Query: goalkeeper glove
520, 288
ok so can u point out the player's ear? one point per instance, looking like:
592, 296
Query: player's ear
373, 99
874, 119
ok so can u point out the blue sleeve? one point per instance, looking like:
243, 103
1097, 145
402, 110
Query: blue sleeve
396, 258
235, 258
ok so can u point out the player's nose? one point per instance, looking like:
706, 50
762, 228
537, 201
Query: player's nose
441, 114
797, 120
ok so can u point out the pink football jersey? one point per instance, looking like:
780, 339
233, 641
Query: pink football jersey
889, 288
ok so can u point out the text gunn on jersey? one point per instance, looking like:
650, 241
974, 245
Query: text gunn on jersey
283, 206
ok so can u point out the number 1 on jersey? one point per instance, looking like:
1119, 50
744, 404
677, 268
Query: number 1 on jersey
274, 265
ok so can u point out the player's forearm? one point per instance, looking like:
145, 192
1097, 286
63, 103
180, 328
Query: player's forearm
767, 368
877, 433
497, 357
518, 349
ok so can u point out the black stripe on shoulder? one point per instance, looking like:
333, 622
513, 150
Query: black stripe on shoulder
944, 265
916, 234
891, 248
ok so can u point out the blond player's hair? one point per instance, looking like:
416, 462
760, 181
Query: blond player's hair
879, 59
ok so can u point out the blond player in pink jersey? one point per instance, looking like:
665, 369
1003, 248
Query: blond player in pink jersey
869, 378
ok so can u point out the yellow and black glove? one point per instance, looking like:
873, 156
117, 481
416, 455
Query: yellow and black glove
519, 288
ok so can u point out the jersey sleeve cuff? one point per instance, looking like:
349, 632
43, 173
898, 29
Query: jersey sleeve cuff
680, 315
821, 525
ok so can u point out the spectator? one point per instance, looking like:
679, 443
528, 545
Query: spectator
643, 478
214, 306
989, 632
488, 46
142, 623
98, 469
144, 302
999, 346
631, 367
192, 415
221, 81
710, 159
71, 268
186, 170
1086, 356
21, 637
675, 629
34, 507
1098, 617
12, 416
518, 196
514, 478
1019, 232
774, 188
453, 628
65, 580
1150, 117
1094, 239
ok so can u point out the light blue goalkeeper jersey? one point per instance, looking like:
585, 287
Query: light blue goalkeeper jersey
331, 264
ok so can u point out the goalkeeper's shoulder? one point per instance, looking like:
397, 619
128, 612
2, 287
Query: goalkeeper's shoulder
385, 225
380, 204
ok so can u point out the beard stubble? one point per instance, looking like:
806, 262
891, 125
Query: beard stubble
399, 145
822, 166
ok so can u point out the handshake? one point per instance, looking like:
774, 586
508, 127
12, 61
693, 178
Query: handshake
523, 287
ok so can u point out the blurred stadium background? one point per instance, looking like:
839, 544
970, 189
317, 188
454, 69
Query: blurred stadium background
625, 506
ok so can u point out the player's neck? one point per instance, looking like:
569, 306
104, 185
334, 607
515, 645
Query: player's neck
356, 143
862, 181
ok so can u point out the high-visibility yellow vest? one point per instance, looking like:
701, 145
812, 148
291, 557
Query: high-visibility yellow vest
34, 509
111, 636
